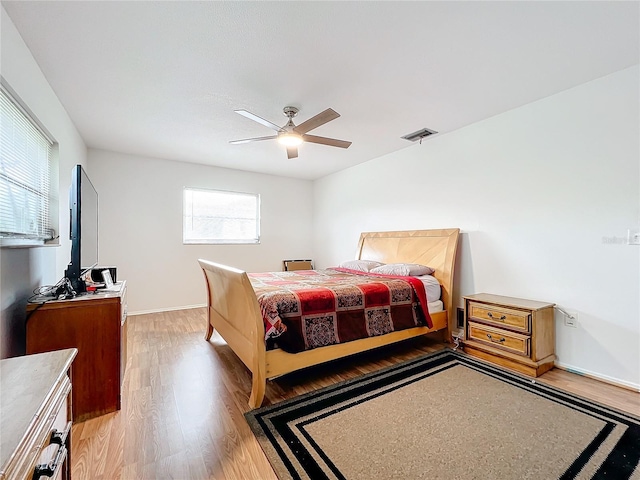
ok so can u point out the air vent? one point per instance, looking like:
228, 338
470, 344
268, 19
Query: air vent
419, 135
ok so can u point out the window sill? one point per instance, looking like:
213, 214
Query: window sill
25, 243
220, 243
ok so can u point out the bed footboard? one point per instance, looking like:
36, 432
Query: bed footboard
234, 312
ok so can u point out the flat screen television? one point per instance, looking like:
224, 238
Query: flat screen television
83, 229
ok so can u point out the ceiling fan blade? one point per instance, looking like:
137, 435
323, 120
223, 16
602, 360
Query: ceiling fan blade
326, 141
292, 152
258, 119
315, 122
257, 139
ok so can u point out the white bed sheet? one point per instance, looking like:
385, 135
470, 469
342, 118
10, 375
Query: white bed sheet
432, 287
435, 307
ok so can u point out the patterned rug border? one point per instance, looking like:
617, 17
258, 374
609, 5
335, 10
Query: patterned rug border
279, 459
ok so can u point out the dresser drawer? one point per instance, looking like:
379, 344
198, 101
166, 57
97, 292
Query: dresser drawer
501, 317
53, 446
51, 461
502, 339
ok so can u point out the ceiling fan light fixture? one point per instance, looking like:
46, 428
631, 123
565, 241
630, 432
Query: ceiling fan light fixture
290, 139
291, 135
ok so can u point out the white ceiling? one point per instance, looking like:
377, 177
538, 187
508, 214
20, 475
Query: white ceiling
162, 79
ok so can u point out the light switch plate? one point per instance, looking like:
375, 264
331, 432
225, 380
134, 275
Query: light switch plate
633, 236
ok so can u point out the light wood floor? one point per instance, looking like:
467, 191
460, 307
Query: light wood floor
184, 398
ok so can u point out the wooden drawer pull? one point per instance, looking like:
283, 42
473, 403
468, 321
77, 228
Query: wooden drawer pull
502, 318
494, 340
51, 469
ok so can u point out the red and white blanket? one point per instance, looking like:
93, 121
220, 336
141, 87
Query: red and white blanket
313, 308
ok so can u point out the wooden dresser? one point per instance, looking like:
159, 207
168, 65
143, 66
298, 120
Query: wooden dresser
95, 324
35, 416
512, 332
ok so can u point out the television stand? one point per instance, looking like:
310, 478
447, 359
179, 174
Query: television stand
95, 324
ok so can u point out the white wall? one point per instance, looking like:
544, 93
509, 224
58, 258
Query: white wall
140, 231
22, 270
542, 192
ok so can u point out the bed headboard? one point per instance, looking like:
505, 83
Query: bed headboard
435, 248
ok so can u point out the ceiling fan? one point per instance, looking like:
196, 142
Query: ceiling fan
291, 135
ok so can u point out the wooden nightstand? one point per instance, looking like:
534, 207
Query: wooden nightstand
511, 332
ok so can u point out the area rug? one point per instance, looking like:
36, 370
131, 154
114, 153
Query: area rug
446, 416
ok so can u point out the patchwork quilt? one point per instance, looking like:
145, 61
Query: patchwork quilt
307, 309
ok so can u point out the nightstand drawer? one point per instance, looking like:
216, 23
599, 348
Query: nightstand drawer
500, 316
502, 339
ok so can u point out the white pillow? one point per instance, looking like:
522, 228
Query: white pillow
403, 269
360, 265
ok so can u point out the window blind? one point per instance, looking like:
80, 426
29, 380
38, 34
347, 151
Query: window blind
25, 162
214, 216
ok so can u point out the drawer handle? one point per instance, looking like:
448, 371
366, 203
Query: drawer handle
60, 437
490, 315
495, 340
57, 438
51, 469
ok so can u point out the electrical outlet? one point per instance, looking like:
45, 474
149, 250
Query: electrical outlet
571, 322
633, 237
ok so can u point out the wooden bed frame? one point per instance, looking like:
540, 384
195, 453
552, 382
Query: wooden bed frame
234, 312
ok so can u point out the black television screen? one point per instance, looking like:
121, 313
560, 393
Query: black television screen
83, 231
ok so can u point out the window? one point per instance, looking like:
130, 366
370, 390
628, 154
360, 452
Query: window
214, 216
26, 163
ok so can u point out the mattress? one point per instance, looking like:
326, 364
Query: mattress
432, 288
435, 307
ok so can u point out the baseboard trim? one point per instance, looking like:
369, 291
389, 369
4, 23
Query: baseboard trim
601, 378
166, 309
